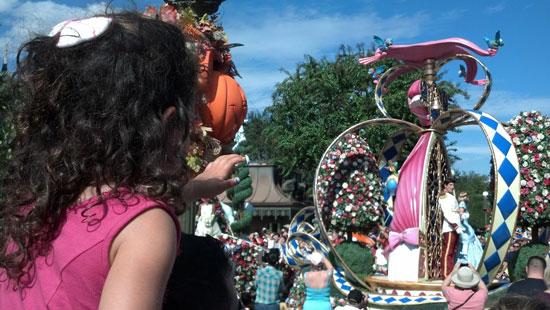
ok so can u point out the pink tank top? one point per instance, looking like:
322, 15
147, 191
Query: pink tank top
72, 275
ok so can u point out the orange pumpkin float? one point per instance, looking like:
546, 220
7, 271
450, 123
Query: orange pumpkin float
226, 106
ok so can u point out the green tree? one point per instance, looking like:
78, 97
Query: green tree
256, 146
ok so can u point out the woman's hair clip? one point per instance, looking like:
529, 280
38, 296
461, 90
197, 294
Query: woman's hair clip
75, 31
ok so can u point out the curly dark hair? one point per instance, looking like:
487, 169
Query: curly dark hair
92, 115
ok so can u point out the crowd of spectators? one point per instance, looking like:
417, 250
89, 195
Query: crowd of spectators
455, 288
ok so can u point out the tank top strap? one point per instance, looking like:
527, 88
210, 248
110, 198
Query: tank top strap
329, 275
305, 279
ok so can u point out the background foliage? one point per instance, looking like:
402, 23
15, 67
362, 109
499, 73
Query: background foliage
517, 266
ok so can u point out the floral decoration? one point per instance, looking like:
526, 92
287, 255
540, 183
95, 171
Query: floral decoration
530, 133
349, 186
297, 295
208, 36
243, 255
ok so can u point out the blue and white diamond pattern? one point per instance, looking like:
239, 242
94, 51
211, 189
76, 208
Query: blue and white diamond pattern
339, 281
507, 187
302, 230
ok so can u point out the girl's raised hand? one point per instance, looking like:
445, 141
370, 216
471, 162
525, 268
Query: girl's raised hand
213, 180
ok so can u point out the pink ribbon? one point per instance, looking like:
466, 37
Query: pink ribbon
409, 235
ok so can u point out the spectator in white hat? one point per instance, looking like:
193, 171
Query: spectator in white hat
468, 292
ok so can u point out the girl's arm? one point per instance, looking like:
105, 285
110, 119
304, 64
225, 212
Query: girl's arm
141, 256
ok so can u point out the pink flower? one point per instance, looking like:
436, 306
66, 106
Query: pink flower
538, 198
546, 182
524, 191
530, 183
529, 210
525, 171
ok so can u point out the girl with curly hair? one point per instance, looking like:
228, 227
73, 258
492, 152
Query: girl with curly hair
98, 174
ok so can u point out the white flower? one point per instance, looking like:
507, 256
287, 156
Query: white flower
514, 122
523, 182
515, 140
524, 157
525, 164
540, 136
522, 209
544, 164
540, 147
345, 185
353, 214
348, 208
546, 124
544, 192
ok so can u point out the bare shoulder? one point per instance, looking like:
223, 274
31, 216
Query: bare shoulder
153, 228
141, 258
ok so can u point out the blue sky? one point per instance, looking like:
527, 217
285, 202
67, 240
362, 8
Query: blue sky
278, 33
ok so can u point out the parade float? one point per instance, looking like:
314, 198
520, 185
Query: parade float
348, 188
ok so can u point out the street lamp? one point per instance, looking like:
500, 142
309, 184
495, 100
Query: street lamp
485, 195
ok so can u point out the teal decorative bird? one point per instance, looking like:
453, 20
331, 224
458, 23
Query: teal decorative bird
462, 71
381, 44
375, 73
496, 42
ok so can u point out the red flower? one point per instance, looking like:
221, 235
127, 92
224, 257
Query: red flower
546, 182
529, 210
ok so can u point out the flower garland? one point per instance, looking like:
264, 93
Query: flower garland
297, 295
530, 133
349, 186
243, 254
